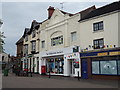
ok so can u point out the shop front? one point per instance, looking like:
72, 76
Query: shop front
54, 61
72, 63
101, 64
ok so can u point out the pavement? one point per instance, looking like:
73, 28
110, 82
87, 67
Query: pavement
39, 81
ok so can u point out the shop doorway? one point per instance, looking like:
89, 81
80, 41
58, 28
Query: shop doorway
84, 69
72, 68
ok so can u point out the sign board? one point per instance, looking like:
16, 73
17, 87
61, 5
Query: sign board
114, 53
60, 51
102, 54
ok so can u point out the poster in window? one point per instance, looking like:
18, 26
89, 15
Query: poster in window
108, 67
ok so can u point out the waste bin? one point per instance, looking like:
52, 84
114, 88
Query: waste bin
5, 72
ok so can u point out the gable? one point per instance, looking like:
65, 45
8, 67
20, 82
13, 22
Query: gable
56, 17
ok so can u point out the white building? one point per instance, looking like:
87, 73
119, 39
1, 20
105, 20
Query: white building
100, 42
58, 36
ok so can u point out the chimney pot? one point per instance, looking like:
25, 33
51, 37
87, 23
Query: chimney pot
50, 11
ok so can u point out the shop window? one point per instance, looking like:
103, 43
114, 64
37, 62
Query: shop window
95, 67
98, 26
108, 67
98, 43
118, 67
76, 63
55, 65
57, 41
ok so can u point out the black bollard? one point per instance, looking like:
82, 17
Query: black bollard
49, 74
31, 74
78, 76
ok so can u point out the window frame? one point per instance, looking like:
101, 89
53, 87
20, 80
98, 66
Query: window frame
33, 33
97, 43
57, 40
33, 45
43, 44
75, 37
100, 73
26, 38
98, 26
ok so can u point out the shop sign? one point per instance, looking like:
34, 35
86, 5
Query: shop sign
114, 53
51, 53
72, 56
55, 52
102, 54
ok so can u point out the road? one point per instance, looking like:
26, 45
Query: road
38, 81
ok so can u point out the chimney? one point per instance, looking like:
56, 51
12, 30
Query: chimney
50, 11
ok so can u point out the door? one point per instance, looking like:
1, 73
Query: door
72, 68
84, 69
33, 65
37, 66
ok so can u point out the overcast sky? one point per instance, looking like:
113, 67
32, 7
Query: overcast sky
17, 16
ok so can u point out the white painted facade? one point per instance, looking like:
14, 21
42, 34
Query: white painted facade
59, 24
110, 32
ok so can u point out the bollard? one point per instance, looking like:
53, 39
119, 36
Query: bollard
49, 74
78, 76
31, 74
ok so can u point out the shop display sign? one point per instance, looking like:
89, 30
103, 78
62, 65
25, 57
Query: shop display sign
61, 51
102, 54
71, 56
51, 53
114, 53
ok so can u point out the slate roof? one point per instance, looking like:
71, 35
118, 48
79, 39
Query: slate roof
66, 13
103, 10
27, 30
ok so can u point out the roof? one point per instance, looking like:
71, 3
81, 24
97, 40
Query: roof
27, 30
19, 41
66, 13
103, 10
83, 12
34, 25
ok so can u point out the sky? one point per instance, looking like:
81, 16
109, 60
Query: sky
17, 16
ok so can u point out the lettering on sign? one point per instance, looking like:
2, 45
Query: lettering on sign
114, 53
51, 53
102, 54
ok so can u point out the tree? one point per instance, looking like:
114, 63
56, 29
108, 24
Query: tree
1, 38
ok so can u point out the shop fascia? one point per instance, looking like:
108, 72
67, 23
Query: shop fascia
56, 52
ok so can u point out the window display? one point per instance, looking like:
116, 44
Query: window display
108, 67
55, 65
95, 67
76, 63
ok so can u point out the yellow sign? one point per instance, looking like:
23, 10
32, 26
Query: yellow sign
102, 54
114, 53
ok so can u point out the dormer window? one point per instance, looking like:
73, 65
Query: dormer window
33, 33
26, 38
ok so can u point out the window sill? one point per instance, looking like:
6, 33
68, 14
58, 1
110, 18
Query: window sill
98, 31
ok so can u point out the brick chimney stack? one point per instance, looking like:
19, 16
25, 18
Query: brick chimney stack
50, 11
